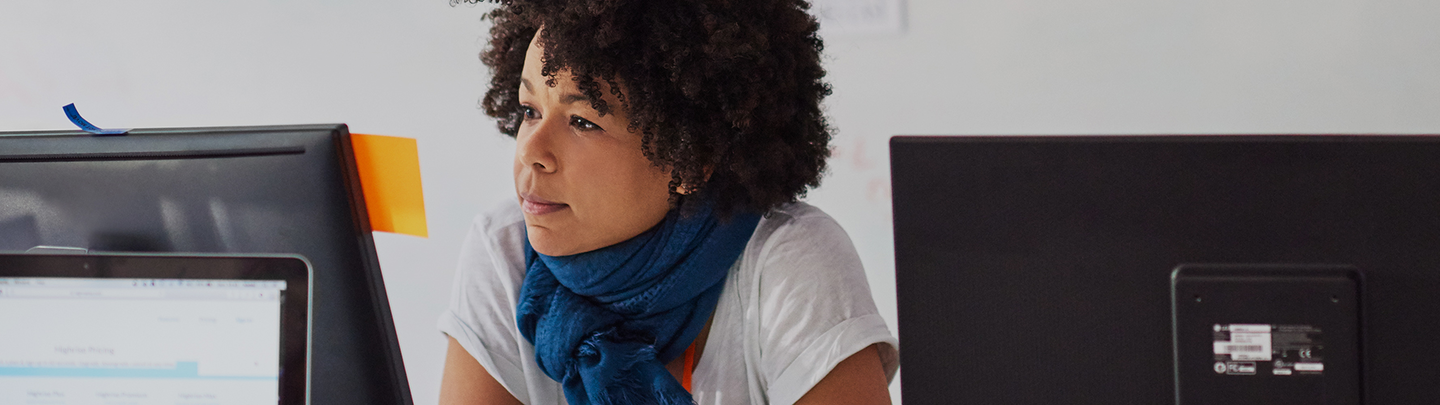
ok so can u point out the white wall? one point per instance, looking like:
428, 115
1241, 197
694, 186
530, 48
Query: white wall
409, 68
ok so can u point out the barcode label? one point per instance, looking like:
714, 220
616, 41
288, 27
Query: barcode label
1243, 342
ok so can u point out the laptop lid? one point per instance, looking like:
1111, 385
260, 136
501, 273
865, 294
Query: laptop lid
143, 329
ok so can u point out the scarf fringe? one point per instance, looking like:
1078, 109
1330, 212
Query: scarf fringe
634, 360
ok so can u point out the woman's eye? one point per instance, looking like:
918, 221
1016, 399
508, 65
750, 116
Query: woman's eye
529, 113
583, 124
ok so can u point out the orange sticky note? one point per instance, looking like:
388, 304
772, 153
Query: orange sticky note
390, 179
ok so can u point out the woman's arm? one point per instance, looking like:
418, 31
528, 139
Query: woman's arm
859, 379
466, 382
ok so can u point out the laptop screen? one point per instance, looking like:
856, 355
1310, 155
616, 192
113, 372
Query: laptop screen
140, 341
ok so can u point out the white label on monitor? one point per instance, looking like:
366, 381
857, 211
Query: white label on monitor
1284, 349
1309, 366
1244, 342
139, 341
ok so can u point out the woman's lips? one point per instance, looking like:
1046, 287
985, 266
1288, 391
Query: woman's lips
536, 206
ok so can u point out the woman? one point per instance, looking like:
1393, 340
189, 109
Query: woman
655, 252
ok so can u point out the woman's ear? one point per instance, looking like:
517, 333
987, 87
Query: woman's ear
686, 189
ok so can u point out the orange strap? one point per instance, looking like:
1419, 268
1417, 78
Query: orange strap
689, 367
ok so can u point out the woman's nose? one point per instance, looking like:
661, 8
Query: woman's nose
536, 147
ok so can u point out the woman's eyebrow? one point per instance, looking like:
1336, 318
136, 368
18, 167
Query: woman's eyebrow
573, 97
567, 99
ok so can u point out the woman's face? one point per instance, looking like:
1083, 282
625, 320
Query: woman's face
582, 180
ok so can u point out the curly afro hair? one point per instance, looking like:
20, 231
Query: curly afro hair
726, 93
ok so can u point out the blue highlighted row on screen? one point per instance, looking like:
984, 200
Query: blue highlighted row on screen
182, 370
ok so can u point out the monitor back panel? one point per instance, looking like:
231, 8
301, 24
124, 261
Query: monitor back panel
1036, 270
221, 190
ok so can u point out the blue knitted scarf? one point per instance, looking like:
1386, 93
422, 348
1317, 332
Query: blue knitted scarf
604, 323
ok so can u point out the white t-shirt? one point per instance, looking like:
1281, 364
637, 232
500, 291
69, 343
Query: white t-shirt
794, 305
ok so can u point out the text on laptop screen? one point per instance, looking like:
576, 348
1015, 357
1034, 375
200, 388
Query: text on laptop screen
139, 341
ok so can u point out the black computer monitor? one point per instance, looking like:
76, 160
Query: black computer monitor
287, 189
1038, 270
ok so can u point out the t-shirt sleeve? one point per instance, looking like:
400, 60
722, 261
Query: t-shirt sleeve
481, 314
815, 306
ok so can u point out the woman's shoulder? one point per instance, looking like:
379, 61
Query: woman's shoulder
797, 211
798, 228
798, 242
804, 281
481, 313
495, 243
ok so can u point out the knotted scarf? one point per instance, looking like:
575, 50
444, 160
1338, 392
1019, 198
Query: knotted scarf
604, 323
